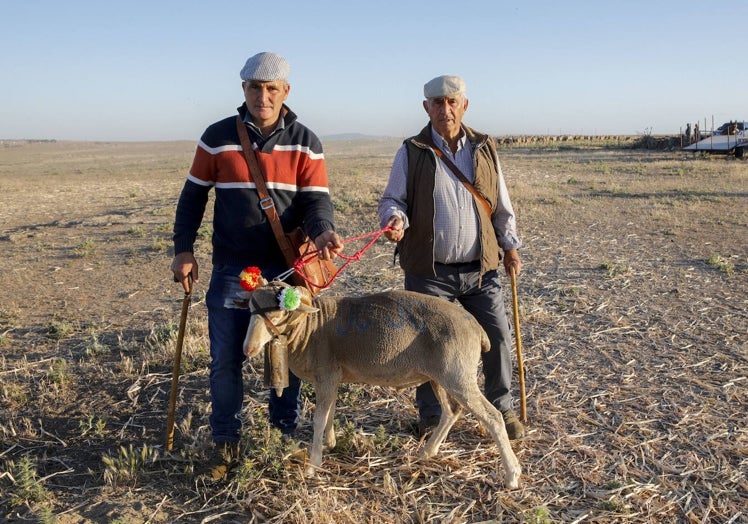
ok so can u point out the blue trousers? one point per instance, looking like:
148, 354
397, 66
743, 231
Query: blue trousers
459, 283
227, 327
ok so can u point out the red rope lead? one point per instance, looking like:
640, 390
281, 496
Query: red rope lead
306, 258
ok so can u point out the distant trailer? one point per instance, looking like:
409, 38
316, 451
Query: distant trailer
724, 144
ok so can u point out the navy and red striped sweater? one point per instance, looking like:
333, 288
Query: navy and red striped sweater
294, 166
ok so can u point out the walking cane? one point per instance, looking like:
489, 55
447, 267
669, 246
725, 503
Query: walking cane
518, 337
177, 364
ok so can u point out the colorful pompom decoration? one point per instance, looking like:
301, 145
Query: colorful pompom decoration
289, 299
250, 278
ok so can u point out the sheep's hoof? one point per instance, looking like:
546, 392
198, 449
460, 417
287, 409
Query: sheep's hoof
426, 454
511, 480
312, 468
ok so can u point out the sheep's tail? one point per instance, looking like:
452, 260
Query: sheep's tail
485, 344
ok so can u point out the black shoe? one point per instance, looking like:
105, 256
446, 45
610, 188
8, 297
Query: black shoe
287, 430
426, 424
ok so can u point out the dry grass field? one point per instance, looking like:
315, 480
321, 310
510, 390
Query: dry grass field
634, 315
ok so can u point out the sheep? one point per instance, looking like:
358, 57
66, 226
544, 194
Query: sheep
394, 338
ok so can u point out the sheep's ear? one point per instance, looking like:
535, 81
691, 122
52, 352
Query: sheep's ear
303, 308
306, 301
240, 301
306, 296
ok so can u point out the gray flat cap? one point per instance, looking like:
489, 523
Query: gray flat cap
445, 85
266, 67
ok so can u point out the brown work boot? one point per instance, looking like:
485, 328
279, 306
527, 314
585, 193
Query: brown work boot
514, 427
223, 458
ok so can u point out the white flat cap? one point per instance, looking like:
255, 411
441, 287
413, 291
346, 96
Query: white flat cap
444, 85
265, 67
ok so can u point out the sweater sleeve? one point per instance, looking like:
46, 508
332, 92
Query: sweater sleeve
189, 215
318, 210
313, 186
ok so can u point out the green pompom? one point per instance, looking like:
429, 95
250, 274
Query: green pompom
289, 299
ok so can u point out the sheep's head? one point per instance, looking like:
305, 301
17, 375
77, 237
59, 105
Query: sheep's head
276, 308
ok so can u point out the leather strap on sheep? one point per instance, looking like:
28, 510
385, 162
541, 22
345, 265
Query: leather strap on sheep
262, 311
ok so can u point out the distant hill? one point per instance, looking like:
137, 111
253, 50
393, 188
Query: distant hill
353, 136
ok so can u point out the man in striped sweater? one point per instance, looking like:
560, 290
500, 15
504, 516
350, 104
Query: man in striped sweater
291, 158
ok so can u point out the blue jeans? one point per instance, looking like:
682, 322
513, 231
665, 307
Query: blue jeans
459, 283
227, 328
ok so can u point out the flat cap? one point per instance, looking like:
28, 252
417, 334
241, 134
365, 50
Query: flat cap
444, 85
265, 67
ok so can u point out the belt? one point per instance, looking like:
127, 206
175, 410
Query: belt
461, 266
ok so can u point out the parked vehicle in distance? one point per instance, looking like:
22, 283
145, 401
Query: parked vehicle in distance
724, 128
729, 138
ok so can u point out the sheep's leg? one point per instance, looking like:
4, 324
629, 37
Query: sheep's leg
491, 419
326, 393
451, 412
330, 441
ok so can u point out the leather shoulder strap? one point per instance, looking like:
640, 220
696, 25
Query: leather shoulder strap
460, 176
266, 201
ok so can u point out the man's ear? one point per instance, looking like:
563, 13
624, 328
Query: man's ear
426, 106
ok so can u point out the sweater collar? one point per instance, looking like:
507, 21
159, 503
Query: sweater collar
288, 117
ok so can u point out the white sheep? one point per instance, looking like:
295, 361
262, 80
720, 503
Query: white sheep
395, 338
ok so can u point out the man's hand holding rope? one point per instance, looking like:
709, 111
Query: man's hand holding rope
396, 229
328, 244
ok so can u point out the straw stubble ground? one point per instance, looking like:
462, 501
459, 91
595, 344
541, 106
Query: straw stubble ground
633, 307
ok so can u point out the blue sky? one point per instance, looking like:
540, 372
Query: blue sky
164, 70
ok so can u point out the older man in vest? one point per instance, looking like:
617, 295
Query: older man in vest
450, 213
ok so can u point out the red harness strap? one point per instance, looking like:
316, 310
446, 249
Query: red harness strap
348, 258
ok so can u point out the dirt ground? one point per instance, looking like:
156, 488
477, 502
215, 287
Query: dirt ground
634, 313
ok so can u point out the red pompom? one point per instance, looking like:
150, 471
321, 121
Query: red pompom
250, 278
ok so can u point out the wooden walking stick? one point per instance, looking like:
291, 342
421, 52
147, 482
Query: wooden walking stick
518, 338
177, 365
